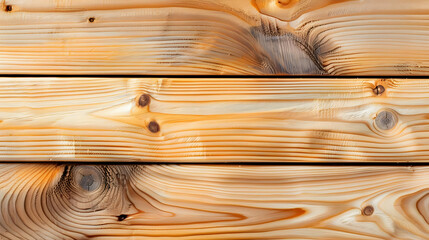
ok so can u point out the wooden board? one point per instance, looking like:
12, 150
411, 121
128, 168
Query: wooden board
344, 37
212, 120
213, 202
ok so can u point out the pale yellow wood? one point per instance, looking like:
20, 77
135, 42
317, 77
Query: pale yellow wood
344, 37
212, 120
213, 202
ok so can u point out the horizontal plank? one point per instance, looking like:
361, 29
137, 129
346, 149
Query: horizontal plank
344, 37
214, 120
213, 202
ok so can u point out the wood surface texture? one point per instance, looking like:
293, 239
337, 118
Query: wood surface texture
213, 120
342, 37
108, 121
213, 202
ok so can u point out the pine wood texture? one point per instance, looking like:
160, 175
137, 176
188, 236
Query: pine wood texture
344, 37
213, 202
214, 120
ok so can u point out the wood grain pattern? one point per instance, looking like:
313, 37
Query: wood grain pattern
344, 37
214, 202
213, 120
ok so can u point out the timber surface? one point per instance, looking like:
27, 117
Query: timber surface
213, 202
208, 120
367, 37
212, 120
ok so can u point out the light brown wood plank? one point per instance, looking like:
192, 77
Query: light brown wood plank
384, 37
213, 120
213, 202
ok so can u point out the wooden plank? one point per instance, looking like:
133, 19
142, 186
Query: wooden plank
214, 120
344, 37
213, 202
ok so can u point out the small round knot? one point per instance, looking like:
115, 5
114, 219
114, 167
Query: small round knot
368, 211
144, 100
8, 8
385, 120
153, 127
379, 89
91, 19
122, 217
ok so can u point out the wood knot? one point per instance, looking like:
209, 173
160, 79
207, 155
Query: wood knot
385, 120
144, 100
88, 178
153, 127
91, 19
379, 89
8, 8
122, 217
368, 210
